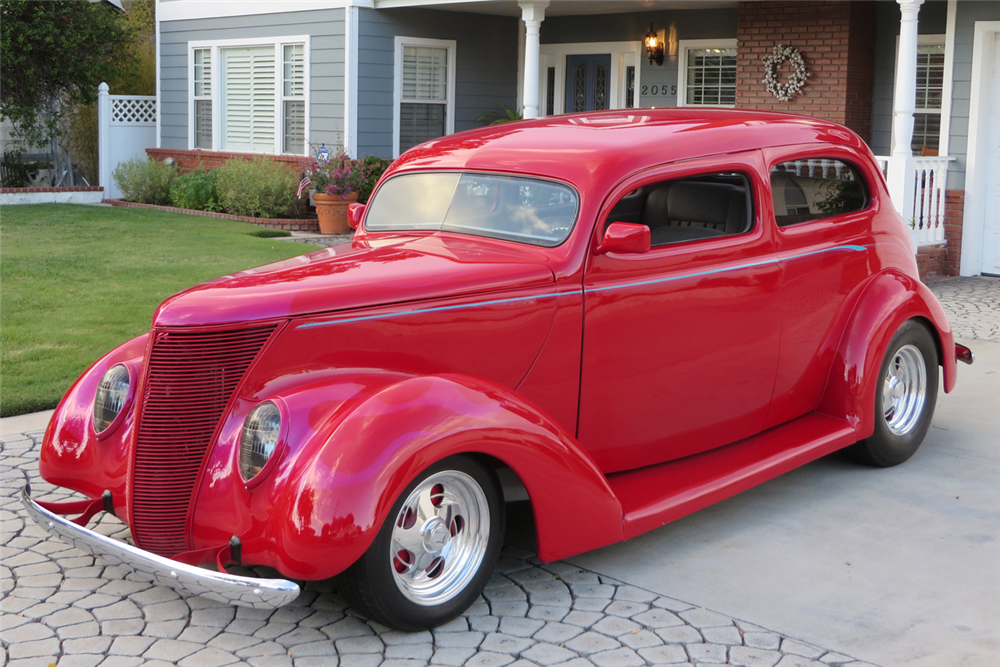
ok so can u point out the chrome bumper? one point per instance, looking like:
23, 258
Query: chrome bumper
228, 588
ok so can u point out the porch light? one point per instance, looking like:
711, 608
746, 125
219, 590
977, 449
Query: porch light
654, 46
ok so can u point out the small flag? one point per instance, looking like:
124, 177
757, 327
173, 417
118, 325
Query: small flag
304, 183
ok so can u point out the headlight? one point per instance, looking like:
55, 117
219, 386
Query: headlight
259, 439
112, 394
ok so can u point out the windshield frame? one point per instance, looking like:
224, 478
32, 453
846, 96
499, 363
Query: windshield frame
467, 231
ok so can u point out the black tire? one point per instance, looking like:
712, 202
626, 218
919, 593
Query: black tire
904, 398
441, 516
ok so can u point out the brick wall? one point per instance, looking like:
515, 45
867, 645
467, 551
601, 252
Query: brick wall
954, 203
188, 160
837, 42
931, 261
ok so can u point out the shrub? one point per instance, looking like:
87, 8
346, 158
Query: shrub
145, 181
269, 233
195, 190
372, 169
259, 188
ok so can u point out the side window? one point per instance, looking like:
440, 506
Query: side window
688, 209
807, 190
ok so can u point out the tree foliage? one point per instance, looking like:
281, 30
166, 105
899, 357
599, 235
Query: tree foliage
54, 53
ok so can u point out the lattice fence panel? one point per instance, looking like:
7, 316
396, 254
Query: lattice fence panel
132, 110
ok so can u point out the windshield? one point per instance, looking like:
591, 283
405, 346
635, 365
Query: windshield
503, 207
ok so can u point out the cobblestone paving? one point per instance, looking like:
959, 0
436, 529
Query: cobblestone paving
972, 304
61, 606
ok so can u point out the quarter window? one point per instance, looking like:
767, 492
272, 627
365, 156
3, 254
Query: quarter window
815, 188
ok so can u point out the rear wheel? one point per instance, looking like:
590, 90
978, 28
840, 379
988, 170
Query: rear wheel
434, 554
904, 400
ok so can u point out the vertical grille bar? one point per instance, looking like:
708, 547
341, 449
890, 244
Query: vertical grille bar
189, 380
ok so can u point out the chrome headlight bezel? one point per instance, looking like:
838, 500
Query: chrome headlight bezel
272, 448
103, 386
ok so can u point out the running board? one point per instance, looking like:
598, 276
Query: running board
656, 495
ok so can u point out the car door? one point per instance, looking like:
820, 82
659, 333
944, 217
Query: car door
822, 206
680, 343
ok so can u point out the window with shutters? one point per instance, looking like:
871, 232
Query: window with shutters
250, 98
424, 91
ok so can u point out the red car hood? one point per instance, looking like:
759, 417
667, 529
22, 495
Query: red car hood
364, 273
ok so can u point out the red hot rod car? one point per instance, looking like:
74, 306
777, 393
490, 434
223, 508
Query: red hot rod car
631, 314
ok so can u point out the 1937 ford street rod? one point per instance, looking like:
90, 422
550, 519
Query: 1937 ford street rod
632, 314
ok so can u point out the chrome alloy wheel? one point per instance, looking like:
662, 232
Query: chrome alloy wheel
904, 390
439, 537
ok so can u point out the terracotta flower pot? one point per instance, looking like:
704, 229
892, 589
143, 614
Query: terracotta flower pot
332, 212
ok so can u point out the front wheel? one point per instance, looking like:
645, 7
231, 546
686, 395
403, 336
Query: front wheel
904, 400
435, 551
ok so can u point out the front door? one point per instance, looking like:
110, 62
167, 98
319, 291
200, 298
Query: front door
588, 82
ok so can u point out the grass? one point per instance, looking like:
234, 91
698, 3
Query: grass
77, 281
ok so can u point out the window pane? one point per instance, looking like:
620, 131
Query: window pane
248, 122
202, 72
711, 76
815, 188
295, 127
294, 70
926, 132
419, 123
930, 76
425, 73
630, 87
203, 124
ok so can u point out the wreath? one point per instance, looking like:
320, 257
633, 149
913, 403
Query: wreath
793, 85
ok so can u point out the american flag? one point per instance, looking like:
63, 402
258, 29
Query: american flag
304, 183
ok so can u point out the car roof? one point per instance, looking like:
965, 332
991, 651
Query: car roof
589, 149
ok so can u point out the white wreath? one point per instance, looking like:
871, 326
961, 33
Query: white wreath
793, 86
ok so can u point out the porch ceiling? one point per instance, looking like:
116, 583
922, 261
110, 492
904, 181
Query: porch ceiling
558, 7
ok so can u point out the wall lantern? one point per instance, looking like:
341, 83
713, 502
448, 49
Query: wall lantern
654, 46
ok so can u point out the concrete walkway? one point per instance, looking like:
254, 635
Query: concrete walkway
832, 564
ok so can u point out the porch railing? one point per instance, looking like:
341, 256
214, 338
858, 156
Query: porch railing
917, 187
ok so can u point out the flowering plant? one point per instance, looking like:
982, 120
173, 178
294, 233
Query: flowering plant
340, 176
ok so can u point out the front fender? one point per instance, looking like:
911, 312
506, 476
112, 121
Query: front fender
335, 503
889, 300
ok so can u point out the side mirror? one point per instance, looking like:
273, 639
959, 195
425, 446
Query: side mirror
354, 214
625, 237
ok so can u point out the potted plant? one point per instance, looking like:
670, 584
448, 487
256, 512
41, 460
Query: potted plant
336, 183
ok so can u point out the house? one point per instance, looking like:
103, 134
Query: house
918, 79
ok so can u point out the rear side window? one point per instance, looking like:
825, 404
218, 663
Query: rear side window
815, 188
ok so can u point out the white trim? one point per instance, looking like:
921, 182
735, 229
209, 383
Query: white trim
397, 83
181, 10
949, 67
623, 54
351, 21
217, 45
973, 219
685, 45
156, 55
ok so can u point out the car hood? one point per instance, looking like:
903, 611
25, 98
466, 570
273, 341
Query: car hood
364, 273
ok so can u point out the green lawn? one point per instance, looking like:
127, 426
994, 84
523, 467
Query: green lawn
76, 281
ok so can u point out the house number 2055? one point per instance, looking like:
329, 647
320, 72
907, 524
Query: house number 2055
659, 90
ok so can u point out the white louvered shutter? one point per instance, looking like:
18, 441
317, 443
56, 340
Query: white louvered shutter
248, 99
293, 98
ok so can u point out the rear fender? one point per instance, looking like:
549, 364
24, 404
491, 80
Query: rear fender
335, 503
889, 300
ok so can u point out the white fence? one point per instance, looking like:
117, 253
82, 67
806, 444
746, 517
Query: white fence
917, 187
126, 128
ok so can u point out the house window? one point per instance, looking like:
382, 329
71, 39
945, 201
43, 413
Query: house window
707, 73
930, 92
425, 91
250, 97
203, 98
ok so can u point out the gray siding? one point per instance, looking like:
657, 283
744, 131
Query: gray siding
486, 66
932, 20
326, 85
690, 24
965, 27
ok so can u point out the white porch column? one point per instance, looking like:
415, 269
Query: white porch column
104, 139
532, 13
901, 165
